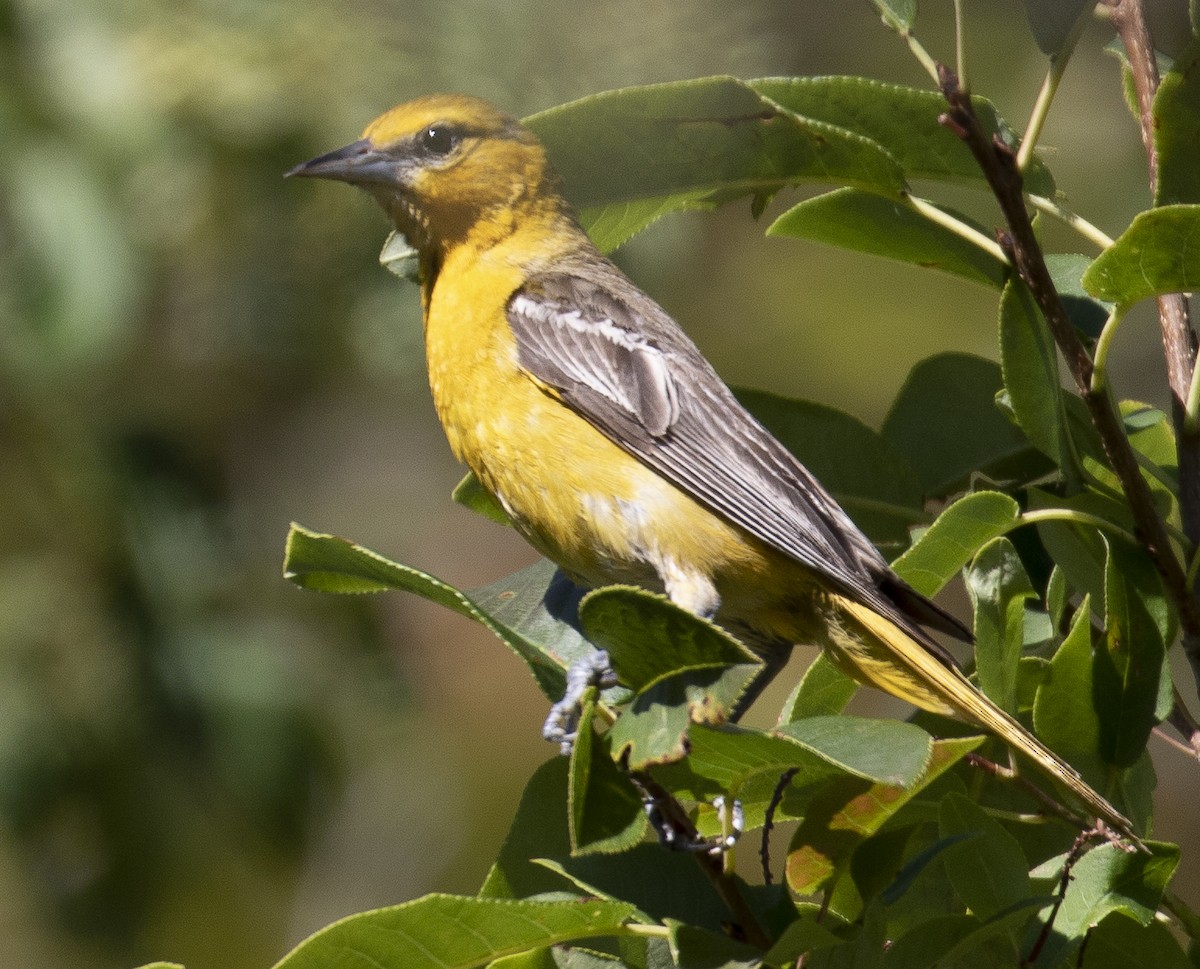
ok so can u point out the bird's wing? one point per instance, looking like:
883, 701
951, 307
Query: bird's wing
616, 358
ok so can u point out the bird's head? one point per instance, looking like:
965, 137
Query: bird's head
441, 166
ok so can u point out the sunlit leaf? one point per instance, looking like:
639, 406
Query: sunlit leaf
1159, 253
445, 931
954, 538
851, 811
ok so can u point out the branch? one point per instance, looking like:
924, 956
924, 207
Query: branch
712, 866
998, 164
1179, 339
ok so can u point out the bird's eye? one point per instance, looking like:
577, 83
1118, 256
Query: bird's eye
439, 139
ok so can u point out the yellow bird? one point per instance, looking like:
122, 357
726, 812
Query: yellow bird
611, 442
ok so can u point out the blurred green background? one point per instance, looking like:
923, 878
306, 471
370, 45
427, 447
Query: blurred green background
197, 761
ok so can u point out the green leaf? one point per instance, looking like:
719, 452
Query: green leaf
955, 538
514, 608
648, 637
888, 752
900, 15
1159, 253
823, 690
747, 764
946, 423
865, 222
400, 258
988, 869
1119, 942
535, 860
605, 811
630, 155
654, 727
471, 494
807, 933
999, 589
444, 931
1129, 670
963, 940
1176, 116
852, 810
1110, 878
904, 120
1087, 315
1053, 21
698, 949
877, 487
1064, 712
1029, 360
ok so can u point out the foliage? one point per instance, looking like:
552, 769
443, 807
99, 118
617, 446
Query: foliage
902, 852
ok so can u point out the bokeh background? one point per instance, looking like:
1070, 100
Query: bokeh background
197, 761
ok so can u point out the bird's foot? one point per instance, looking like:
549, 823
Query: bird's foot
562, 723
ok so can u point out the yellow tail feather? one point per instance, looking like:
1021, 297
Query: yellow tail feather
887, 657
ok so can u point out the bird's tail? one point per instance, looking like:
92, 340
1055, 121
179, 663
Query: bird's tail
944, 689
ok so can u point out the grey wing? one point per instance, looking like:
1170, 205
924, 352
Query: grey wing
617, 358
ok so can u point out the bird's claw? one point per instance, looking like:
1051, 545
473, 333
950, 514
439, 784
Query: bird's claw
562, 723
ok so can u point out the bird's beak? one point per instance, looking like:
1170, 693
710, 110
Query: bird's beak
360, 163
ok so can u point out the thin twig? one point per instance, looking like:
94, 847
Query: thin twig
1055, 807
999, 168
764, 851
713, 866
1072, 859
1182, 720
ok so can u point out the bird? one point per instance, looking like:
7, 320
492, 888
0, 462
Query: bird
610, 441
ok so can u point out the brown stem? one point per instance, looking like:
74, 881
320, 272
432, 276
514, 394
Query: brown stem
998, 163
713, 866
764, 851
1178, 337
1077, 851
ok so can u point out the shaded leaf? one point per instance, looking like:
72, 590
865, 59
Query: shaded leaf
1119, 942
605, 810
1159, 253
1064, 712
946, 423
1053, 21
870, 223
1087, 315
954, 538
988, 869
697, 949
1029, 360
471, 494
823, 690
327, 563
904, 120
999, 589
628, 156
1129, 670
1176, 116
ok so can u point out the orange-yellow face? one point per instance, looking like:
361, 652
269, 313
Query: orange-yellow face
439, 165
